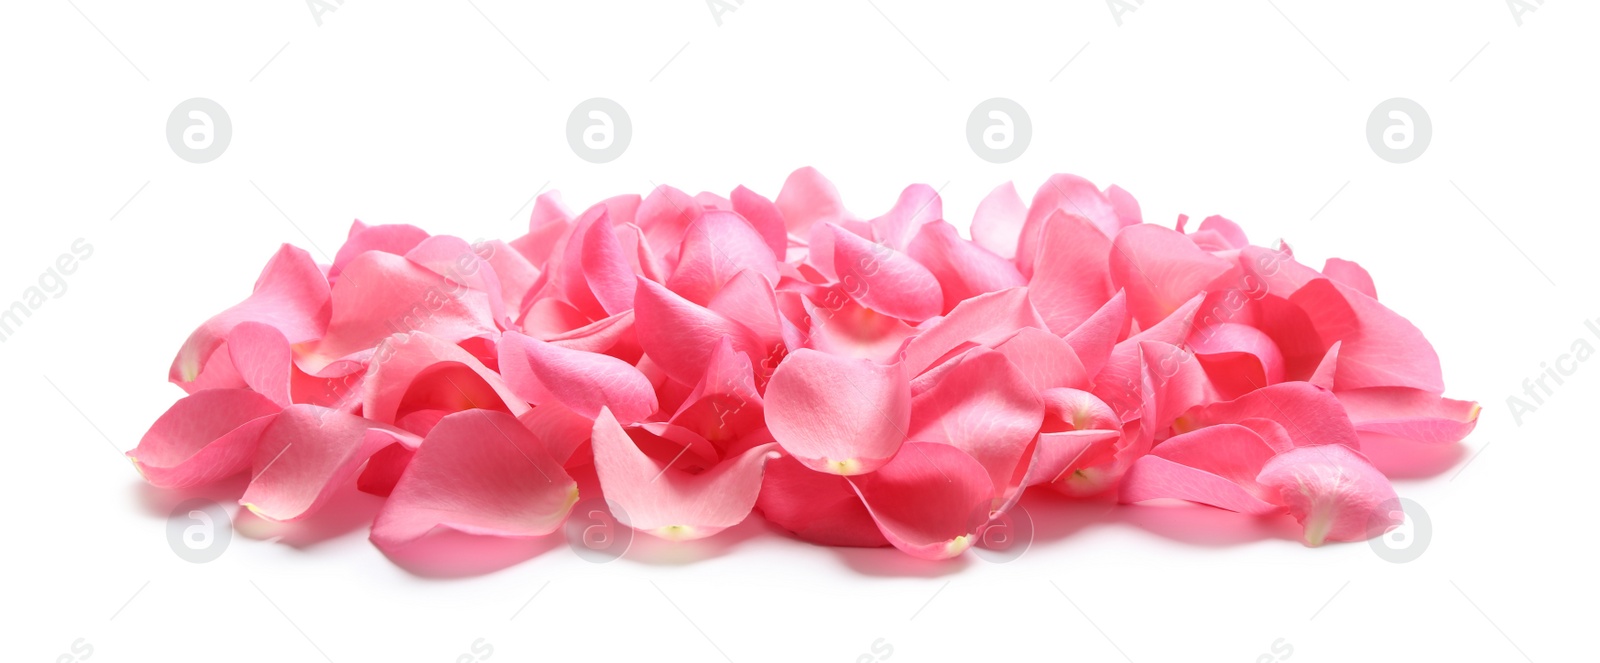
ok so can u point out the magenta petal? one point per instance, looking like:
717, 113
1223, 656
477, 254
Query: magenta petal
305, 455
204, 437
838, 415
925, 499
666, 501
1239, 358
477, 472
1333, 491
818, 507
586, 382
1215, 466
985, 407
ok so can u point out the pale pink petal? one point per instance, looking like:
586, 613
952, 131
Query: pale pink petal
605, 267
885, 280
415, 371
1177, 381
840, 326
724, 404
1408, 414
609, 335
918, 206
998, 221
764, 216
1310, 414
477, 472
1351, 275
985, 407
664, 216
987, 319
1333, 491
1226, 234
1125, 207
263, 359
670, 503
715, 247
586, 382
1160, 269
382, 294
517, 275
809, 199
839, 415
561, 431
1067, 194
681, 335
305, 455
1215, 466
964, 269
1046, 360
1121, 381
1382, 350
1095, 339
1071, 278
749, 300
291, 295
924, 501
204, 437
397, 239
1070, 456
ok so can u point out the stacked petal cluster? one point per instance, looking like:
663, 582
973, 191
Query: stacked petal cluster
857, 381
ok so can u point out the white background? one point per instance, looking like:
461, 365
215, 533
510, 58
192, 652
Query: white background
426, 113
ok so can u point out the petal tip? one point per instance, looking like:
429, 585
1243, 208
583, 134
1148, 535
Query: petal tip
957, 545
844, 468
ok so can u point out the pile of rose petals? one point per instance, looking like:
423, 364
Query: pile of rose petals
857, 381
